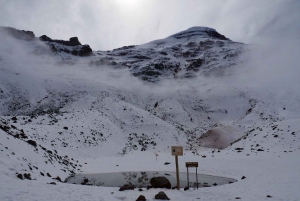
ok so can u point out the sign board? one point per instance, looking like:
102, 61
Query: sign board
191, 164
177, 150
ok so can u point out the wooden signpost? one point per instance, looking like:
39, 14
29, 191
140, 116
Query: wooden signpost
177, 151
191, 164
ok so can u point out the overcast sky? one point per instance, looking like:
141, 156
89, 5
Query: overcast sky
108, 24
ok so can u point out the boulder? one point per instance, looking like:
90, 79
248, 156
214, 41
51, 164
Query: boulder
27, 176
141, 198
127, 187
160, 182
161, 196
85, 181
32, 142
14, 118
20, 176
186, 188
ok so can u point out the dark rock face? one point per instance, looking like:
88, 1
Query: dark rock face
18, 34
198, 32
195, 65
78, 48
45, 38
160, 182
161, 196
74, 41
215, 34
127, 187
83, 50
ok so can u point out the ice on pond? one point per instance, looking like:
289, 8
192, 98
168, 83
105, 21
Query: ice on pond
142, 179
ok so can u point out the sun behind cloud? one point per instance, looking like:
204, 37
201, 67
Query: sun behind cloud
129, 4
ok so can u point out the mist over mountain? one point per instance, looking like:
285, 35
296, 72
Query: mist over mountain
62, 103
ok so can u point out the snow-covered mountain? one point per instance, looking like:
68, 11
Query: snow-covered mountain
63, 105
198, 50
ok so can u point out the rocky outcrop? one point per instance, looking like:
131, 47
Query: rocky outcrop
18, 34
73, 46
72, 41
200, 31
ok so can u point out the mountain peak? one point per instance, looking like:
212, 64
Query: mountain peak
205, 32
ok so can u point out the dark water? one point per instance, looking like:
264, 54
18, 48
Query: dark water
142, 179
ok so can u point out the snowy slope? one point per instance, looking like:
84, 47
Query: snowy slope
64, 114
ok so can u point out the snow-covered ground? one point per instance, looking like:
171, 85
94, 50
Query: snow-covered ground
265, 175
60, 118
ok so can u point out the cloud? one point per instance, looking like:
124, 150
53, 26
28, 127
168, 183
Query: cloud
273, 28
110, 24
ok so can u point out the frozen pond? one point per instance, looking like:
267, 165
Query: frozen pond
142, 179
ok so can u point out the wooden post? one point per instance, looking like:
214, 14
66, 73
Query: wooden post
197, 177
188, 179
177, 172
177, 151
